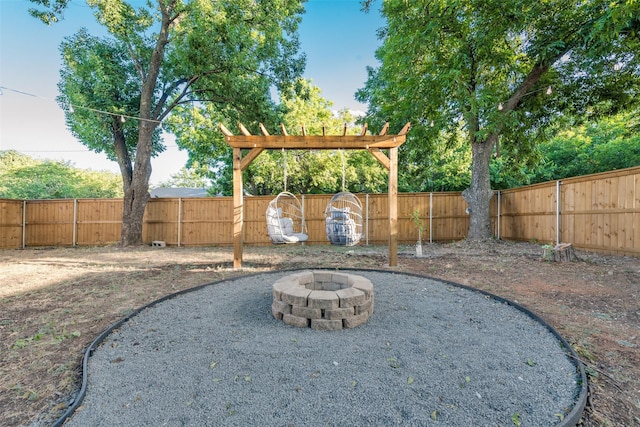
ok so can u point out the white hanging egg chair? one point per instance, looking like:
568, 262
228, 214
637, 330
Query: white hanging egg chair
285, 220
343, 219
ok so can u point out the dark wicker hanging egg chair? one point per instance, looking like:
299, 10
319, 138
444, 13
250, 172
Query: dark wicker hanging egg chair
343, 219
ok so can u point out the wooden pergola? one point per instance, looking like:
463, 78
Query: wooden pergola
258, 143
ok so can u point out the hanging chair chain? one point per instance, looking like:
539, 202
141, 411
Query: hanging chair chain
343, 170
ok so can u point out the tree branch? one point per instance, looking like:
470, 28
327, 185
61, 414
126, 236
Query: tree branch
163, 99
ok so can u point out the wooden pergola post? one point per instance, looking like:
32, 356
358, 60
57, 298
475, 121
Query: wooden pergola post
393, 206
238, 209
257, 143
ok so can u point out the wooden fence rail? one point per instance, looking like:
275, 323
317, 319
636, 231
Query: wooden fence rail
596, 212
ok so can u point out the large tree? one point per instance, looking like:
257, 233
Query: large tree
162, 54
503, 72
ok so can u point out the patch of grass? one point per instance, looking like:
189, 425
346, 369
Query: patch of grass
24, 393
582, 349
48, 333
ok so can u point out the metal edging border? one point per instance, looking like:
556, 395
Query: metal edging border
570, 420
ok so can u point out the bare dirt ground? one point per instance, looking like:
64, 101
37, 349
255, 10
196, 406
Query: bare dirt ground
54, 302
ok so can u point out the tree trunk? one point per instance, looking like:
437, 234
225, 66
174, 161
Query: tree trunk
137, 195
135, 202
122, 154
479, 194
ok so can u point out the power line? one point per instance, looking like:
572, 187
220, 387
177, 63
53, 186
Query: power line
74, 106
62, 151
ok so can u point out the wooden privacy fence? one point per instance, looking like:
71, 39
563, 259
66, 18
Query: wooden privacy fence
209, 221
596, 212
599, 212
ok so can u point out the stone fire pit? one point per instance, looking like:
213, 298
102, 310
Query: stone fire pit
323, 300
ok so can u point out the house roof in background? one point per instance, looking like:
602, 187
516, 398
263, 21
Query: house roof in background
178, 192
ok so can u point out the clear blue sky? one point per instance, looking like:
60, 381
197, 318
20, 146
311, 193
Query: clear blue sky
337, 37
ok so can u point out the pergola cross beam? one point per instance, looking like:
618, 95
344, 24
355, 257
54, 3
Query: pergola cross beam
258, 143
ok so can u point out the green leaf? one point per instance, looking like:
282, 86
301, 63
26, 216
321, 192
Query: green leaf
515, 419
19, 344
410, 380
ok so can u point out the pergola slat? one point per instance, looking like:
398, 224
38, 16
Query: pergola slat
243, 129
405, 129
225, 131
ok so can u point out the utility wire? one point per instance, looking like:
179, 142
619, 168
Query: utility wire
74, 106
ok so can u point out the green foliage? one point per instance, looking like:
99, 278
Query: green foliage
309, 172
239, 51
515, 419
480, 70
53, 9
98, 76
510, 171
597, 146
450, 64
323, 171
427, 166
609, 144
186, 178
24, 178
417, 221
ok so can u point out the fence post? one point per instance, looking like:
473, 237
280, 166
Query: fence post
179, 221
430, 217
304, 219
366, 219
499, 214
74, 238
24, 224
557, 212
